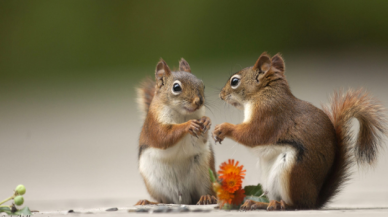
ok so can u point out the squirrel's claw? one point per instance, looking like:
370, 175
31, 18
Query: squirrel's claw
219, 133
207, 199
216, 139
193, 132
195, 128
206, 123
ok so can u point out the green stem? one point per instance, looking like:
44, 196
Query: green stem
13, 196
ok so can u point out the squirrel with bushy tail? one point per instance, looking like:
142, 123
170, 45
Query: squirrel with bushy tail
304, 153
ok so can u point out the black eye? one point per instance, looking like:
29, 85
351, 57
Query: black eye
234, 82
177, 88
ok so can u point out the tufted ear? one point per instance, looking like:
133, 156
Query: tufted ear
184, 66
162, 70
278, 62
263, 64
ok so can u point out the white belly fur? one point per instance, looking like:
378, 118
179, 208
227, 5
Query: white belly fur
275, 163
181, 169
177, 170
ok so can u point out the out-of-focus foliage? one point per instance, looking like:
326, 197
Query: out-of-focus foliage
53, 37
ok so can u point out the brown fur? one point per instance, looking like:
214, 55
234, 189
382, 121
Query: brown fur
320, 138
153, 97
145, 92
163, 136
370, 114
184, 66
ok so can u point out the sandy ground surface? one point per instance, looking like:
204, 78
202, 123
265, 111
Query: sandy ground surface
74, 144
210, 211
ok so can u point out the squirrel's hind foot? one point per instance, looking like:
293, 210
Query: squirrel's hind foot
276, 206
252, 205
145, 202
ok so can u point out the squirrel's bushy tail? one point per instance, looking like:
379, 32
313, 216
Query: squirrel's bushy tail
371, 117
145, 94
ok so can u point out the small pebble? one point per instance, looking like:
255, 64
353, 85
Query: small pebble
132, 209
181, 209
141, 210
70, 211
112, 209
200, 210
161, 209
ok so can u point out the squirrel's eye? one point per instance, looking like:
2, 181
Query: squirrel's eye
234, 82
176, 88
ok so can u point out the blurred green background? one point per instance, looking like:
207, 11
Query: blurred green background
69, 125
86, 38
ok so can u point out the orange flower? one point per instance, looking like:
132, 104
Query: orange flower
231, 168
224, 197
239, 196
231, 176
231, 182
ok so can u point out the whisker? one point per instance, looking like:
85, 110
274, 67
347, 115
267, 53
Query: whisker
208, 107
235, 149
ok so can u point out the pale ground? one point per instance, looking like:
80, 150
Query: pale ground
74, 145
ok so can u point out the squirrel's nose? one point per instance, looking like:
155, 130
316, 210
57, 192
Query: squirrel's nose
198, 101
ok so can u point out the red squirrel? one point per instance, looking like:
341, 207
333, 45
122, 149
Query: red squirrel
304, 153
174, 152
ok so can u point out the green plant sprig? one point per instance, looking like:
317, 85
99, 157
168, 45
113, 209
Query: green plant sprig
17, 196
18, 200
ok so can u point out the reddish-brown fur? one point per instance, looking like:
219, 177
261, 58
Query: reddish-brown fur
163, 136
320, 137
154, 96
154, 133
146, 92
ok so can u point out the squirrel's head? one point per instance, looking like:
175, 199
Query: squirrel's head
180, 90
263, 80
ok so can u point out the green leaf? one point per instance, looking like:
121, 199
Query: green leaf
230, 207
212, 176
6, 210
255, 193
25, 211
263, 198
251, 190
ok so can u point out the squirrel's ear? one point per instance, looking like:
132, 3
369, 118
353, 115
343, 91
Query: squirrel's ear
184, 66
161, 71
278, 62
263, 64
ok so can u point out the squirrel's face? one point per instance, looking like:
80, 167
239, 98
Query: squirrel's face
254, 83
180, 90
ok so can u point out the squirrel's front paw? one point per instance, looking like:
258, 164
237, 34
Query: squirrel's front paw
194, 128
206, 124
220, 132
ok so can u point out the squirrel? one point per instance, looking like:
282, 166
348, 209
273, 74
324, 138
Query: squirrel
304, 153
174, 152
